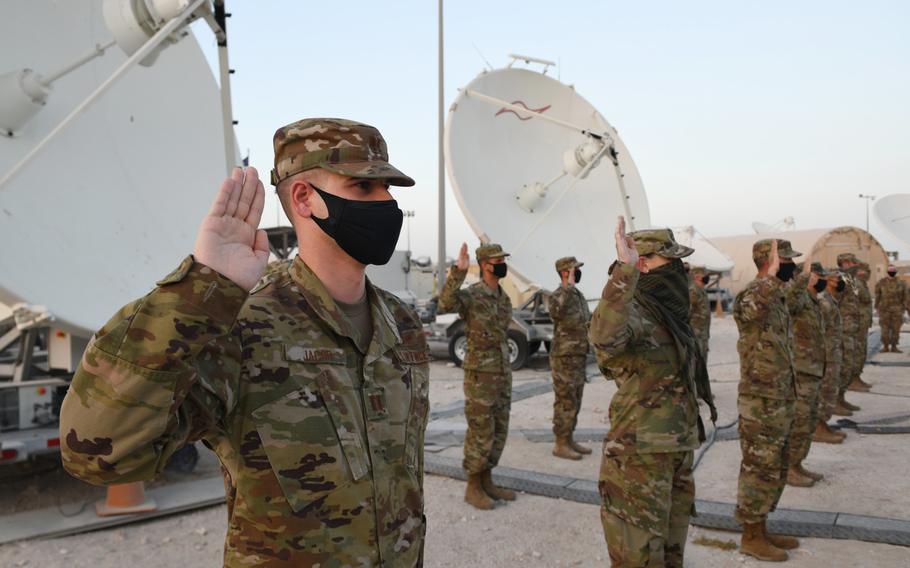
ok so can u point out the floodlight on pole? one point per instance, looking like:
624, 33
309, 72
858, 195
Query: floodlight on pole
868, 198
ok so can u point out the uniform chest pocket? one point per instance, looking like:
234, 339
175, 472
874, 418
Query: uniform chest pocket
312, 443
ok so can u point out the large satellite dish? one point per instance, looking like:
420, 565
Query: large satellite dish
893, 213
538, 170
112, 203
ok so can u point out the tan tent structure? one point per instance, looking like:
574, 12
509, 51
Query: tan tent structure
821, 245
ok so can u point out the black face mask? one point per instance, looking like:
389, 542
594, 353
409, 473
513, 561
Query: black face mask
366, 230
577, 275
786, 270
705, 279
821, 285
841, 285
500, 270
892, 274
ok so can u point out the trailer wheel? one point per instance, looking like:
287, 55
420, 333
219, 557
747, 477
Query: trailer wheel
184, 460
458, 346
518, 349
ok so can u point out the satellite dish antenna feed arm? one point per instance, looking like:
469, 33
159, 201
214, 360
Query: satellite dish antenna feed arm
137, 56
217, 21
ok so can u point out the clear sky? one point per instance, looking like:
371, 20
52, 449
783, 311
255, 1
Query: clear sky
733, 111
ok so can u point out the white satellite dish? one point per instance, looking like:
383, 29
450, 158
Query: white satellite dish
785, 224
112, 203
706, 255
538, 170
893, 213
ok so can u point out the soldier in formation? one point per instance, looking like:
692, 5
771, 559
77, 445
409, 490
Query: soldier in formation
700, 308
643, 340
851, 314
891, 300
766, 397
834, 354
487, 313
568, 356
863, 273
809, 358
311, 387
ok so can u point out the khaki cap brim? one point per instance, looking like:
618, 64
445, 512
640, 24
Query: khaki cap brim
371, 170
677, 251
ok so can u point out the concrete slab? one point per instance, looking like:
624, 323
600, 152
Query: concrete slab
171, 499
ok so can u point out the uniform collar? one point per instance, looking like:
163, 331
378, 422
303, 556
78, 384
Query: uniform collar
385, 331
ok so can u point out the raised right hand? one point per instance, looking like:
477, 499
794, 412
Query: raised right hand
463, 261
229, 240
773, 260
625, 245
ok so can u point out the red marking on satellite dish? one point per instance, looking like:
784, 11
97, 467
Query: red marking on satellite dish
540, 110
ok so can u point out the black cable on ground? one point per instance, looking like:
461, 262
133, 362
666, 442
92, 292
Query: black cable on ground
710, 442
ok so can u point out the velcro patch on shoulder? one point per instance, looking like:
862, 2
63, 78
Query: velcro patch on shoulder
412, 357
326, 355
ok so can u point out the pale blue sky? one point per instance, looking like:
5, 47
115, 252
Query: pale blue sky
733, 111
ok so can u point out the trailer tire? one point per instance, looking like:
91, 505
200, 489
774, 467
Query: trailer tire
458, 345
518, 349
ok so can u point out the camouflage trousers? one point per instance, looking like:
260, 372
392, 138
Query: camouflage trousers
647, 501
848, 364
891, 322
805, 415
568, 388
488, 400
827, 396
764, 434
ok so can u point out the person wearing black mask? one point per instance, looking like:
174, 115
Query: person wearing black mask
766, 396
834, 355
700, 308
642, 338
487, 313
809, 363
311, 385
569, 312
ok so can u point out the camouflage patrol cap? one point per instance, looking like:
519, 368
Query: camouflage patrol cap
761, 250
817, 268
342, 146
698, 270
488, 251
847, 257
567, 263
660, 242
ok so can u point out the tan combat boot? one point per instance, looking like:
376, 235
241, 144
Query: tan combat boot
808, 473
780, 541
797, 479
857, 385
825, 435
841, 410
583, 450
493, 490
894, 348
755, 543
475, 495
562, 449
848, 405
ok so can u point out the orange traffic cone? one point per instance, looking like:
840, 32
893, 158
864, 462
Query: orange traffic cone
719, 308
125, 499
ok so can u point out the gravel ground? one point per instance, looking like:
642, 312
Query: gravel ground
534, 531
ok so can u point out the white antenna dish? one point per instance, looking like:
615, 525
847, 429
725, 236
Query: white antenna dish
893, 213
538, 170
112, 203
706, 255
785, 224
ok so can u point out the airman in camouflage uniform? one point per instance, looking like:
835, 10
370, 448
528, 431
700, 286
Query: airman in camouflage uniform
766, 396
809, 364
891, 300
851, 314
834, 355
318, 422
863, 272
700, 308
643, 340
487, 313
568, 356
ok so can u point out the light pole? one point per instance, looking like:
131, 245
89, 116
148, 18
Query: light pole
441, 180
408, 215
868, 198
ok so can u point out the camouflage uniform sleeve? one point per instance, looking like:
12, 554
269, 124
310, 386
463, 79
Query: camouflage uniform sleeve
453, 298
612, 330
754, 308
160, 373
878, 293
557, 305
